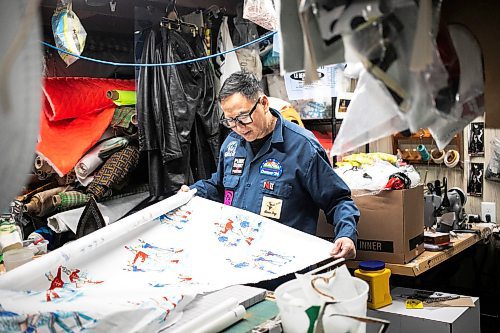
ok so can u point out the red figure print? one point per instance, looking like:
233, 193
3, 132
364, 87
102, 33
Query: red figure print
143, 256
228, 226
56, 282
74, 277
249, 240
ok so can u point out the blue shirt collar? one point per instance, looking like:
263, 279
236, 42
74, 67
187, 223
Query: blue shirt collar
278, 128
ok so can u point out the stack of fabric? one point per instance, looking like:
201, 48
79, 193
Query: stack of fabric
88, 142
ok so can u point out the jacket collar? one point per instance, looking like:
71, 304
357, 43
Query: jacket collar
278, 128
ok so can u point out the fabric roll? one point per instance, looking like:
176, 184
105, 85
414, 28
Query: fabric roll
42, 165
113, 171
41, 204
124, 116
70, 199
95, 157
114, 209
122, 97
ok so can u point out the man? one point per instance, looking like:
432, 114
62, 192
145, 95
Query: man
275, 168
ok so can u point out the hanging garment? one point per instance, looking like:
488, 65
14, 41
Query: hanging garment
227, 63
76, 112
171, 101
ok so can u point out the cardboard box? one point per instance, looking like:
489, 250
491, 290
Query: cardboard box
391, 226
435, 320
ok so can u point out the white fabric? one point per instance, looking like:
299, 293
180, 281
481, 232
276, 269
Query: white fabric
137, 273
229, 62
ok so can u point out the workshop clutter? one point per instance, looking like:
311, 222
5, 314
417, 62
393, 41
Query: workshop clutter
374, 171
391, 225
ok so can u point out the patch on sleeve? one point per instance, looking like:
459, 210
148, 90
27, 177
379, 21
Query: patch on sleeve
238, 164
228, 197
231, 149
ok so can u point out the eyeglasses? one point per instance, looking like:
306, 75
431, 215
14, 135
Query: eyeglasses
243, 119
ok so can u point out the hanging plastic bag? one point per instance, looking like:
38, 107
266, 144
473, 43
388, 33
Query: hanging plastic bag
261, 12
69, 34
371, 115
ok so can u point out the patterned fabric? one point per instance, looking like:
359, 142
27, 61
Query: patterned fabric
41, 204
114, 170
124, 116
70, 199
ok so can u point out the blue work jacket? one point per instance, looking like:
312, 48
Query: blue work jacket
288, 180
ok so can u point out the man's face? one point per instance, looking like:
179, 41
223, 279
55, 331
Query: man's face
236, 105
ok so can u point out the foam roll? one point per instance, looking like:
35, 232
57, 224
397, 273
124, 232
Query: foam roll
437, 155
451, 158
423, 152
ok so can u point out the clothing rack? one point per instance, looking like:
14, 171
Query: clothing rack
178, 25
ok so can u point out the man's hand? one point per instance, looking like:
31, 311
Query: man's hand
184, 188
343, 248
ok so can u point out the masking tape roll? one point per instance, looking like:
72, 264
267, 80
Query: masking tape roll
437, 155
451, 158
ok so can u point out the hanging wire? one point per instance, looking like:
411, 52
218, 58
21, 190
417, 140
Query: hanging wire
264, 37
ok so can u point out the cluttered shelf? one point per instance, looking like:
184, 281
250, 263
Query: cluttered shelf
429, 259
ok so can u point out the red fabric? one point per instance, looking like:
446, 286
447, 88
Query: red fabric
75, 114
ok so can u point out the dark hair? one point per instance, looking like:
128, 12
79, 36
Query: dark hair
242, 82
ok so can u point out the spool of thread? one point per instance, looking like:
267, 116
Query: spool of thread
437, 155
451, 158
423, 152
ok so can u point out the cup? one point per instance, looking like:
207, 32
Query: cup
16, 257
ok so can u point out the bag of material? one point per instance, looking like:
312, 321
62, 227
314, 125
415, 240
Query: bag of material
69, 33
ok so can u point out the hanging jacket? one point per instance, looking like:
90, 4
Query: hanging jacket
170, 99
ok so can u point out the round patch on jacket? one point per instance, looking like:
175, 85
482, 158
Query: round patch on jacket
271, 167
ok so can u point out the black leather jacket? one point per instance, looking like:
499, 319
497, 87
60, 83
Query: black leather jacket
177, 112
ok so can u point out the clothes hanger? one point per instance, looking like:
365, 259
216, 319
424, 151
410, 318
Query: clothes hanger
176, 24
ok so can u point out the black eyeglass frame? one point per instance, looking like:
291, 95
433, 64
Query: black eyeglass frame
225, 121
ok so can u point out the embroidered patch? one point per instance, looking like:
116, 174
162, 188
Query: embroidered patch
231, 149
268, 185
228, 197
271, 207
271, 167
238, 164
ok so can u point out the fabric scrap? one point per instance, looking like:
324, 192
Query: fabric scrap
41, 204
70, 199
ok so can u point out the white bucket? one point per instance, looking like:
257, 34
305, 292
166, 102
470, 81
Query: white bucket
290, 299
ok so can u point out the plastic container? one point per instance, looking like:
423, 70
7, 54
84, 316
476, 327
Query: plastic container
17, 257
290, 299
38, 247
377, 275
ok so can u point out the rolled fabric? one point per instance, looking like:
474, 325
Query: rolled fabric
113, 171
437, 155
124, 116
92, 160
451, 158
41, 204
122, 97
42, 165
70, 199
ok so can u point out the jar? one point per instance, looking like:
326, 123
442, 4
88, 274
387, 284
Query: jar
377, 276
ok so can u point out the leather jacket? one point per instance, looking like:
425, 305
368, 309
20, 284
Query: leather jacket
177, 113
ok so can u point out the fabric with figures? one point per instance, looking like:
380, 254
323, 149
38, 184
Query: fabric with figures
139, 273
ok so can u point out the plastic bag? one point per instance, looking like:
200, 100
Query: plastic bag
69, 34
371, 115
261, 12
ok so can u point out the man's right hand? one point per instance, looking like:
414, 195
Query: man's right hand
184, 188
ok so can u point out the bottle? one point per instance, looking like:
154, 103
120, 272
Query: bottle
377, 275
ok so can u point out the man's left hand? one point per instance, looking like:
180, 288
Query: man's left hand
343, 247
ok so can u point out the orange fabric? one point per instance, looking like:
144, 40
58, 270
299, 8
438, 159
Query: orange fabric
75, 114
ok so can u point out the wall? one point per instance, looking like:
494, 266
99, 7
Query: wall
457, 176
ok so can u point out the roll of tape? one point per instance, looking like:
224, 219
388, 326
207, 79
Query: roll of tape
437, 155
423, 152
451, 158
